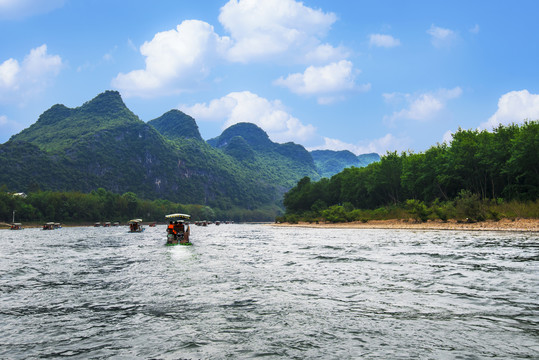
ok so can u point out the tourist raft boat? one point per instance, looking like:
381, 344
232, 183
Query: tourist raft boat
49, 226
178, 230
16, 226
135, 226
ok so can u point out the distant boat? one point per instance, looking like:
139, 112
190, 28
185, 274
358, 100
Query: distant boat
97, 224
48, 226
107, 224
16, 226
135, 226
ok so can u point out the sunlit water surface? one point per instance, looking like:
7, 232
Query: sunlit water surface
249, 291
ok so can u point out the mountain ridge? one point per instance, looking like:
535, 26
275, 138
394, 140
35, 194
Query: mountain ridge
103, 144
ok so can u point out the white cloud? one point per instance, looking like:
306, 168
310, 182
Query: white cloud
441, 37
245, 106
19, 9
514, 107
422, 107
174, 59
3, 120
326, 80
260, 30
382, 145
29, 77
9, 70
325, 53
271, 28
382, 40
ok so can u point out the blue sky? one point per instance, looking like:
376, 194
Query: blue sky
356, 75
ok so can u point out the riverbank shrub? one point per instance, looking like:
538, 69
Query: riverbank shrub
102, 205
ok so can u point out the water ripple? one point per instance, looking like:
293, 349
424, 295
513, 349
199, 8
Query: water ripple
249, 291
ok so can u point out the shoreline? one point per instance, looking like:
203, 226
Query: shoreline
517, 225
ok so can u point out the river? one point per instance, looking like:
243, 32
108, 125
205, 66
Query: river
253, 291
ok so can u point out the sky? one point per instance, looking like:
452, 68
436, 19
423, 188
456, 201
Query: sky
364, 76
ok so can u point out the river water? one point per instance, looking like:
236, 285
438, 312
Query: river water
253, 291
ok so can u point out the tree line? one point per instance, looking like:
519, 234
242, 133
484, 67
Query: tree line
478, 167
101, 205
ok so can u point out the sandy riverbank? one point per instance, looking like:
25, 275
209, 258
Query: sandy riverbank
528, 225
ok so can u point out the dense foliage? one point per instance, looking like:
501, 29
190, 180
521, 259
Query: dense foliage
102, 144
101, 205
176, 125
478, 167
329, 163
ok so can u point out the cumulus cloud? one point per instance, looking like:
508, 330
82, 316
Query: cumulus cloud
324, 81
245, 106
382, 40
381, 145
19, 9
514, 107
271, 28
421, 107
441, 37
260, 30
9, 70
31, 76
174, 59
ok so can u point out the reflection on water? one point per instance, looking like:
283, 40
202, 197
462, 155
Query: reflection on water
247, 291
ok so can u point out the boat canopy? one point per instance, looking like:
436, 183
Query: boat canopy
135, 220
49, 223
181, 216
18, 224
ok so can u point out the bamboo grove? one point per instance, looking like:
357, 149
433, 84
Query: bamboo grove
476, 167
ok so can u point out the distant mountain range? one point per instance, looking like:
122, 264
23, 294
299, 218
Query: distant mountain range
103, 144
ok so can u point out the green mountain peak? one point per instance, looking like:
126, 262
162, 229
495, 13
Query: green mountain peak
58, 127
251, 133
175, 124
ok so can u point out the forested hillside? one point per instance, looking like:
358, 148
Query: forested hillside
329, 163
477, 166
102, 144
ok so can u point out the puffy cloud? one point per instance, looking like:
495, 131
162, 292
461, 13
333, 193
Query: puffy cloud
386, 143
29, 77
9, 70
330, 79
441, 37
270, 28
382, 40
514, 107
245, 106
325, 53
18, 9
260, 30
422, 107
174, 59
